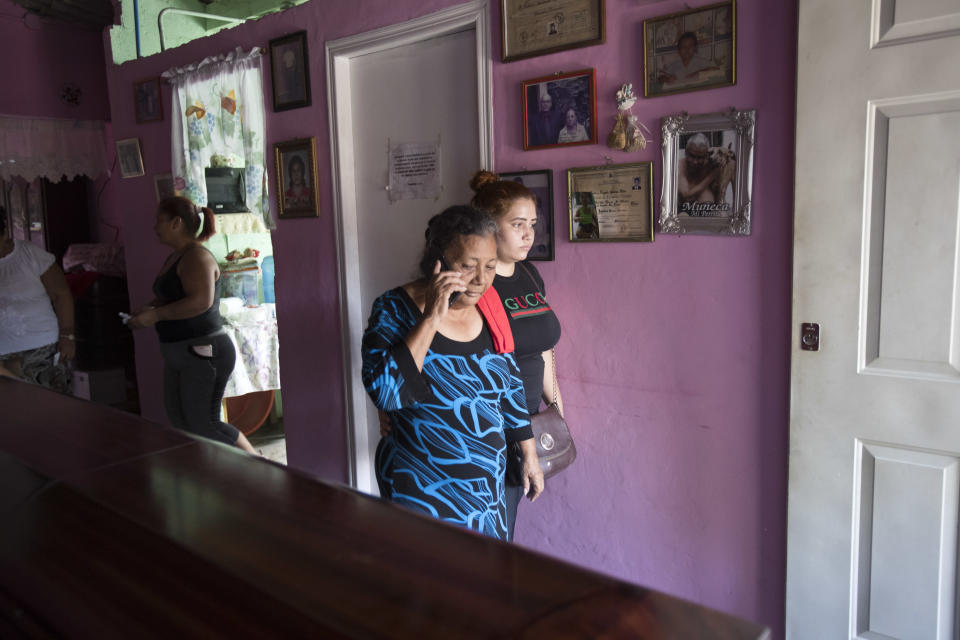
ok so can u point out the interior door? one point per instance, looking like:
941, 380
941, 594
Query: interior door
874, 442
421, 83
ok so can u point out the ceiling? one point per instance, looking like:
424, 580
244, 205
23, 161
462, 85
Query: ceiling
84, 14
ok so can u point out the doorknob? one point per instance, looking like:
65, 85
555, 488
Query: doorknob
810, 336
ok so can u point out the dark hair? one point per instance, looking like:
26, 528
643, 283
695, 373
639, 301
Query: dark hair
3, 220
687, 35
303, 168
495, 196
447, 226
180, 207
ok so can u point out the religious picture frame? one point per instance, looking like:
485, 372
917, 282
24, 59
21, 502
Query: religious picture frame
690, 50
290, 71
696, 147
540, 183
560, 110
296, 162
611, 203
531, 29
147, 100
163, 186
129, 158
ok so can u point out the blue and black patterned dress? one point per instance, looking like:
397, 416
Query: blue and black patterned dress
445, 453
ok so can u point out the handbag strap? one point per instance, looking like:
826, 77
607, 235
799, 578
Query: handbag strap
553, 351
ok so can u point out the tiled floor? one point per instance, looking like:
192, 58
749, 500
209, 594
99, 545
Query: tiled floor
270, 441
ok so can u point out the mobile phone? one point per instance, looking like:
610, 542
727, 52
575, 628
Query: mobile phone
446, 267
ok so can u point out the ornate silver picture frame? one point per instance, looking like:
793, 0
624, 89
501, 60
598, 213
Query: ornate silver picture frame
707, 172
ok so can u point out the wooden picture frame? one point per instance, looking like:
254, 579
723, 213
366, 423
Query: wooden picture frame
296, 162
611, 203
720, 143
129, 158
690, 50
533, 29
560, 110
540, 183
147, 101
290, 71
163, 186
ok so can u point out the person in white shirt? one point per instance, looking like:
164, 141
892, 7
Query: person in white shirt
690, 67
36, 314
572, 131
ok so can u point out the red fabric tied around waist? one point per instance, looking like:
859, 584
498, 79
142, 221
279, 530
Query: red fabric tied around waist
491, 308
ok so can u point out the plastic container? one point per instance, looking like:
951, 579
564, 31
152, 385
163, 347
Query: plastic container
241, 283
267, 267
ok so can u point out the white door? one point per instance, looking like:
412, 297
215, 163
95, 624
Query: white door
420, 82
875, 416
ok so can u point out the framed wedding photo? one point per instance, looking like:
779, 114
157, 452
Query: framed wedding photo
560, 110
540, 183
297, 178
129, 158
611, 203
531, 29
708, 173
690, 50
289, 64
147, 103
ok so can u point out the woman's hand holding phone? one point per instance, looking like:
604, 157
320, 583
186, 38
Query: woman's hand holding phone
444, 288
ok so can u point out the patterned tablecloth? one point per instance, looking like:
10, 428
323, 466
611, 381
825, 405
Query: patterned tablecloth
254, 334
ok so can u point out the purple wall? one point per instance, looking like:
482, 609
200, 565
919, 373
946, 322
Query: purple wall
675, 359
39, 58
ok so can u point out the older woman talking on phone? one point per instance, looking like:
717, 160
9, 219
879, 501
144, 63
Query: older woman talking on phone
454, 402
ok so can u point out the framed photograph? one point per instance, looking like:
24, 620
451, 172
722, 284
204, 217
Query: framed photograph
297, 178
290, 71
163, 186
147, 104
707, 172
612, 203
690, 50
541, 184
129, 158
560, 110
536, 28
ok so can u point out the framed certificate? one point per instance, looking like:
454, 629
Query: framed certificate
531, 29
611, 203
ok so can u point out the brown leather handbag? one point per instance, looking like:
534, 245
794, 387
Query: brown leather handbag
555, 446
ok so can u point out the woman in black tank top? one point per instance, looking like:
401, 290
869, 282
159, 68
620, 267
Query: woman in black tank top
198, 357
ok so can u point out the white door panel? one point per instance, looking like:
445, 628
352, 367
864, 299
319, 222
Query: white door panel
874, 441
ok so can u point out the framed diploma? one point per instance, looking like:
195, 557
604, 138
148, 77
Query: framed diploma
611, 203
531, 29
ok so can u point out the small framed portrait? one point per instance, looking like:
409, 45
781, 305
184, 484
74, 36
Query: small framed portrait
541, 184
297, 178
611, 203
129, 158
560, 110
163, 186
529, 29
690, 50
146, 100
290, 71
708, 173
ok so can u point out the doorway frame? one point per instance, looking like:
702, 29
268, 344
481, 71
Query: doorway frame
472, 15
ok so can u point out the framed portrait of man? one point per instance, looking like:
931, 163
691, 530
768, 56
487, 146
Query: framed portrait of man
690, 50
708, 172
560, 110
289, 65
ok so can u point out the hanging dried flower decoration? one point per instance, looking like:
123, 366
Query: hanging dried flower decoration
626, 134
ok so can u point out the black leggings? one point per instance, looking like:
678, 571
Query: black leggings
193, 384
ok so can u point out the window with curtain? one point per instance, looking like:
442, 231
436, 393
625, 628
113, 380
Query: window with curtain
218, 121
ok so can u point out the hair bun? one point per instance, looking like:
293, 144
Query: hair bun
482, 178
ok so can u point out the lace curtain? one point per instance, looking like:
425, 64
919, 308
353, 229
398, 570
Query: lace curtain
218, 121
53, 149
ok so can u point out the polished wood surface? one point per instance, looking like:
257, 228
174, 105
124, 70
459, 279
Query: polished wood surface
113, 526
